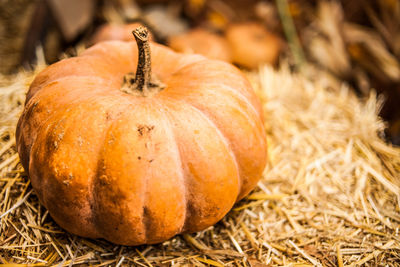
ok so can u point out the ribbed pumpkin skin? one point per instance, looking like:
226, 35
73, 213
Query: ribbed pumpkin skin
133, 169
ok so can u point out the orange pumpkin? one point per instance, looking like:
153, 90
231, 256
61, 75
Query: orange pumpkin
139, 160
199, 41
108, 32
251, 44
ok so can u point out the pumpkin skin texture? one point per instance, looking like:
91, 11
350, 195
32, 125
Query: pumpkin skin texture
199, 41
140, 169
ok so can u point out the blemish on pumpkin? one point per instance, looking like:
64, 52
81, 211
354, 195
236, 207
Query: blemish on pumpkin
144, 129
35, 104
104, 180
111, 140
108, 116
129, 78
139, 158
146, 211
60, 136
80, 141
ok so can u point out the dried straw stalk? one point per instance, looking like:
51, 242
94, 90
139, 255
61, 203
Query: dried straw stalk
329, 196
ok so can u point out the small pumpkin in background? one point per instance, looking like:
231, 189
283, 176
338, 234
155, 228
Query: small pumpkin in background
200, 41
252, 44
108, 32
138, 158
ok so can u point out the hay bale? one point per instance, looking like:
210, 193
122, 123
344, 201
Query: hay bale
329, 196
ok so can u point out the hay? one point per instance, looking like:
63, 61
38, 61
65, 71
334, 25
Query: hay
329, 196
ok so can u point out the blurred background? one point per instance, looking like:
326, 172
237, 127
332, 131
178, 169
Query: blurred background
356, 42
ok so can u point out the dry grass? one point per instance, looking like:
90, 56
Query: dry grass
366, 55
329, 196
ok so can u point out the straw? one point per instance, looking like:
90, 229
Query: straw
329, 195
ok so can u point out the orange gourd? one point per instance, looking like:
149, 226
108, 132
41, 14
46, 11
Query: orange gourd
108, 32
199, 41
139, 159
251, 45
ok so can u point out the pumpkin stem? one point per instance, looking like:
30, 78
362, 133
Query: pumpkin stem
143, 83
143, 71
